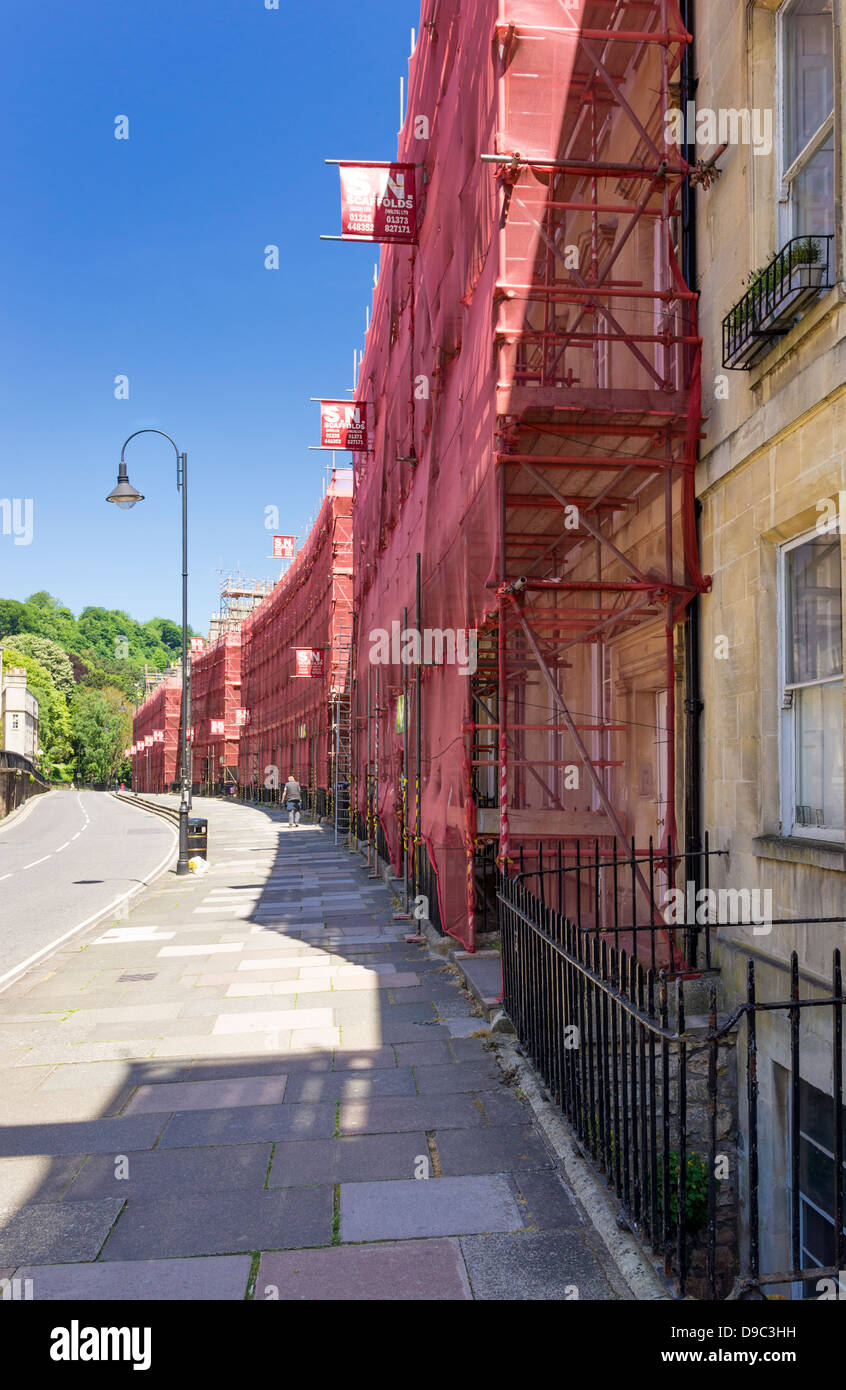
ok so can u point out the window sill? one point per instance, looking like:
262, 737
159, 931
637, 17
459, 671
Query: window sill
819, 854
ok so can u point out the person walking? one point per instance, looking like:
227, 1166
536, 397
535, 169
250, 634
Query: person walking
293, 800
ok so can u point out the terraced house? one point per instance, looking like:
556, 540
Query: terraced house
770, 242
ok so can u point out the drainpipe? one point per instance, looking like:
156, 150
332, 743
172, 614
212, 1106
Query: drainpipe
693, 694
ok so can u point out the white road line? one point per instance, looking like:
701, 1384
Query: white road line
35, 861
95, 916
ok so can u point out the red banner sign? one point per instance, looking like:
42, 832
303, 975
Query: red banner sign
217, 726
309, 661
378, 202
241, 718
343, 425
283, 547
198, 644
148, 740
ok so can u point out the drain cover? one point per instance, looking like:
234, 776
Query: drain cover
124, 979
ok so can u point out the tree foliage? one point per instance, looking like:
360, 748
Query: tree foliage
69, 661
52, 657
99, 733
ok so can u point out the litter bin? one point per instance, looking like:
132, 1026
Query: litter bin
198, 838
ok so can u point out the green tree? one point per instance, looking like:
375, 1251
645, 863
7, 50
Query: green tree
52, 657
98, 731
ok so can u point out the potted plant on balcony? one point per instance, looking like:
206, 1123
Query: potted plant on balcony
806, 268
792, 278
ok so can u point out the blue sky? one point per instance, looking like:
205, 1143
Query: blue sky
145, 257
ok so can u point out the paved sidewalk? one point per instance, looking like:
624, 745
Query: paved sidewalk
240, 1089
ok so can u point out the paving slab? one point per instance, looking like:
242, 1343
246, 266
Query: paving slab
343, 1085
507, 1148
397, 1113
284, 1219
420, 1270
214, 1278
55, 1231
459, 1076
99, 1136
264, 1123
56, 1107
33, 1178
208, 1095
286, 1019
503, 1107
549, 1203
347, 1160
159, 1173
465, 1027
548, 1266
427, 1207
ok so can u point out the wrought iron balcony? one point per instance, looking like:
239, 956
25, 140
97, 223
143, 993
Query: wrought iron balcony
776, 294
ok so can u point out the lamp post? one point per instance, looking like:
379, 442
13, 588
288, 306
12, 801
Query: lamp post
125, 496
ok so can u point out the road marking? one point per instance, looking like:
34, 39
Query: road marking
35, 861
17, 970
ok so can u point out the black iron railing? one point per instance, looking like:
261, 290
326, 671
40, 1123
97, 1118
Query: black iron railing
776, 294
628, 896
654, 1099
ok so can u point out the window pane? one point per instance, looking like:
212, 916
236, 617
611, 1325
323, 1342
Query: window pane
816, 1117
819, 756
813, 194
814, 638
809, 76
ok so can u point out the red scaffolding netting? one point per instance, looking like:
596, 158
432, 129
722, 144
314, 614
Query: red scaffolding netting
534, 369
310, 610
215, 703
155, 732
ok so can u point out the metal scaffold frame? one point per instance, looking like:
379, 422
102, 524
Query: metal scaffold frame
546, 471
598, 404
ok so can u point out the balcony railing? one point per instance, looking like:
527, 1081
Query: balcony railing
776, 294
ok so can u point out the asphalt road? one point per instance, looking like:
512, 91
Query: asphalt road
66, 858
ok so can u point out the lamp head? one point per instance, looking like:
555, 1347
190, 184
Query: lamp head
124, 494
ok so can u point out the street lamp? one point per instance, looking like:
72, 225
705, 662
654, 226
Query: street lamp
124, 495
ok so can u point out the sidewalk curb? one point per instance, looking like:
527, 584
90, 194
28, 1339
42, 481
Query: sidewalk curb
597, 1203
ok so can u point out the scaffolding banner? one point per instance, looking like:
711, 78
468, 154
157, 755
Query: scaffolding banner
217, 726
344, 425
283, 547
309, 661
241, 718
378, 203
